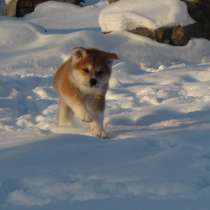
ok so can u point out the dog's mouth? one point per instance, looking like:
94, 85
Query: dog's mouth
91, 85
97, 86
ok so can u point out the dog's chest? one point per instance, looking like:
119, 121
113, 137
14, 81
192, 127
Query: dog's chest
93, 104
90, 103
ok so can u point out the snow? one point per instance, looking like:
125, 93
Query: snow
7, 1
157, 115
66, 17
128, 15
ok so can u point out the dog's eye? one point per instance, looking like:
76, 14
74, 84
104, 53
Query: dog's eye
99, 73
86, 70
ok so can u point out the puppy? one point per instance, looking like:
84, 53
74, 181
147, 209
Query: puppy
81, 83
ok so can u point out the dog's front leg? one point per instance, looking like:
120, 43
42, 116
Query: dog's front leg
64, 113
96, 126
78, 108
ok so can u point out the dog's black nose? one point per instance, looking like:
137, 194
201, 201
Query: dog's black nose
93, 82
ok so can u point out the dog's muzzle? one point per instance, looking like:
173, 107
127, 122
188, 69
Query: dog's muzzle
93, 82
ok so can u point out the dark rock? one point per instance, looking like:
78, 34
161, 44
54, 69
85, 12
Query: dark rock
179, 36
198, 30
26, 6
175, 35
10, 8
144, 32
199, 10
163, 34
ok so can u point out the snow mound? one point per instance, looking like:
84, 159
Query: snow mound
127, 15
15, 34
66, 17
43, 52
40, 34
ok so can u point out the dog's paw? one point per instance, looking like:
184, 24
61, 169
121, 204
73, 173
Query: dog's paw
85, 117
98, 132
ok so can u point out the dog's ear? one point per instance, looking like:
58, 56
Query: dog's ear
110, 56
78, 53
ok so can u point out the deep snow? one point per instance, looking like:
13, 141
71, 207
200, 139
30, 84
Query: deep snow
157, 115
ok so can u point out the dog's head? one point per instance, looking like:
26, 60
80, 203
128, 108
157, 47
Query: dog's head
91, 69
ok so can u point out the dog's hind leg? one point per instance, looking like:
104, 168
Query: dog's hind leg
65, 113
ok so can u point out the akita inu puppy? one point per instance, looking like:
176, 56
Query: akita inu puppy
82, 83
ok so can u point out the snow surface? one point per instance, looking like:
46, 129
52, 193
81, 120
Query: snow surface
157, 114
128, 15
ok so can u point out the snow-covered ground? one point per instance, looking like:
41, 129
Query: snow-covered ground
158, 116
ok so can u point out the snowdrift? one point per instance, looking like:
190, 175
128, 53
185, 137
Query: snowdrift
54, 36
128, 15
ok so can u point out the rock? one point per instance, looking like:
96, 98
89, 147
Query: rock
199, 10
21, 7
179, 36
163, 34
175, 35
144, 32
198, 30
10, 8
